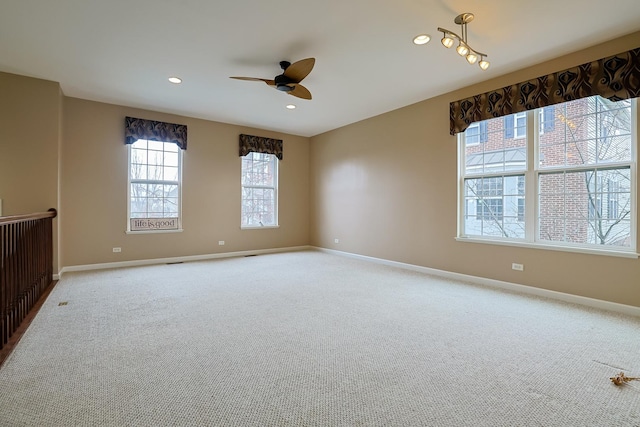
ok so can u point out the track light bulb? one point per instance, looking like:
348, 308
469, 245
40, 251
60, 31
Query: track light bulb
472, 58
462, 49
447, 41
484, 64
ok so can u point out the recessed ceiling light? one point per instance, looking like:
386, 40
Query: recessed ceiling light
176, 80
291, 107
422, 39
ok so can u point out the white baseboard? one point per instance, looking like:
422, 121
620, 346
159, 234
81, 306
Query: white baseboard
140, 262
531, 290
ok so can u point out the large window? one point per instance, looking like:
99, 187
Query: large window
259, 190
154, 186
564, 175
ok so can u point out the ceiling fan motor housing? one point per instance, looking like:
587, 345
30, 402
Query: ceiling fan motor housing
282, 83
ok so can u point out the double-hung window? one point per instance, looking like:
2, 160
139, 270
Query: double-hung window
492, 187
155, 171
562, 176
259, 190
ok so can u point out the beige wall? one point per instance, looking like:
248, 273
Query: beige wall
30, 112
386, 187
94, 190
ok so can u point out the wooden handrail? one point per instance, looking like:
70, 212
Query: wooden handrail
13, 219
26, 266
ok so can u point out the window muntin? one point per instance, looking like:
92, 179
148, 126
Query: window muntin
583, 183
259, 190
154, 185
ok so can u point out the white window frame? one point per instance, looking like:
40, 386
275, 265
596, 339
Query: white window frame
532, 174
178, 183
274, 187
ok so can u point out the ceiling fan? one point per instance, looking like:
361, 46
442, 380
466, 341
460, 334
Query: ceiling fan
289, 80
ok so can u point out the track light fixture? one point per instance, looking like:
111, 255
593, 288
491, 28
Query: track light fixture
449, 38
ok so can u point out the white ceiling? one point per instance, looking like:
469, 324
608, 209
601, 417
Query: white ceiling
123, 51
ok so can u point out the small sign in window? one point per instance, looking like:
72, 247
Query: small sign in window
147, 224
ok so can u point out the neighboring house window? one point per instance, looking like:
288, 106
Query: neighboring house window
495, 206
472, 134
514, 125
154, 186
613, 199
489, 199
489, 209
520, 125
603, 202
583, 185
547, 118
259, 190
520, 199
476, 133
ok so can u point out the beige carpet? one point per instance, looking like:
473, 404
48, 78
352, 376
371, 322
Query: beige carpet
313, 339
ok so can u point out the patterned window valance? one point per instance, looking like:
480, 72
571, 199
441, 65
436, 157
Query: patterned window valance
259, 144
135, 129
616, 77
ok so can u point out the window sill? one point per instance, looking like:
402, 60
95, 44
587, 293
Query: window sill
523, 244
179, 230
258, 227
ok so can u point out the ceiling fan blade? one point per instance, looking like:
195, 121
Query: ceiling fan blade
300, 91
299, 70
256, 79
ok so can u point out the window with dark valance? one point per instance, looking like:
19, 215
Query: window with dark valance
616, 78
151, 130
259, 144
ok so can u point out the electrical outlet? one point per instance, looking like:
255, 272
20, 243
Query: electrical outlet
220, 242
517, 267
336, 240
117, 249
